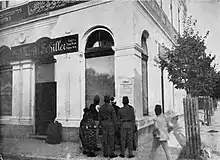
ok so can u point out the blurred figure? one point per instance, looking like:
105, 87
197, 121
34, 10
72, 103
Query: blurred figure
107, 119
117, 127
87, 133
113, 103
126, 116
94, 107
160, 133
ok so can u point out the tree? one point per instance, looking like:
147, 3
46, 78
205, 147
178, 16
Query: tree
188, 65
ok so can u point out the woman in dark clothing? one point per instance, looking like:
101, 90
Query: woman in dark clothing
87, 133
94, 107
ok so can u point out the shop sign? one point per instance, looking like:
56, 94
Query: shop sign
38, 7
13, 14
126, 89
34, 8
46, 47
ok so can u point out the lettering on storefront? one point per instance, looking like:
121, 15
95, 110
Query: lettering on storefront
34, 8
65, 44
11, 15
46, 47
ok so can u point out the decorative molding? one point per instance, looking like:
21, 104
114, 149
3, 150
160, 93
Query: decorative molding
128, 46
134, 46
21, 62
68, 31
144, 10
15, 120
21, 38
60, 12
31, 25
71, 122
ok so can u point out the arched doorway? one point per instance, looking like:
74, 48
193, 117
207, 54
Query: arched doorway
100, 67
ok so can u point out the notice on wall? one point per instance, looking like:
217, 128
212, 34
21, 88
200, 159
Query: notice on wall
125, 88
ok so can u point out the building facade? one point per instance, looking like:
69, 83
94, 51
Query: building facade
56, 56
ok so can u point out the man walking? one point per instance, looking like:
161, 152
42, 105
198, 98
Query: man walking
126, 116
107, 119
162, 126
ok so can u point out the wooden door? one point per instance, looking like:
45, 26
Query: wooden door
45, 106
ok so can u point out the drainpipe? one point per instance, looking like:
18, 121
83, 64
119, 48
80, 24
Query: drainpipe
171, 11
162, 89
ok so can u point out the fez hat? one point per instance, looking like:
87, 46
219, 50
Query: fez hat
106, 98
125, 100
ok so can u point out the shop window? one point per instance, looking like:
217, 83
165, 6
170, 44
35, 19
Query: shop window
6, 92
44, 73
144, 73
100, 79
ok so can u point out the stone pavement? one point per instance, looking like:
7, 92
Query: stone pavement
210, 136
17, 149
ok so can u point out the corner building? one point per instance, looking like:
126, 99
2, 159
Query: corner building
56, 56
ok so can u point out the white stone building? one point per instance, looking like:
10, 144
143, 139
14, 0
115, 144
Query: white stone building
56, 56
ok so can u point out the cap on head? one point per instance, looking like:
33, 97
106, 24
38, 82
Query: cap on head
125, 100
106, 98
96, 99
112, 99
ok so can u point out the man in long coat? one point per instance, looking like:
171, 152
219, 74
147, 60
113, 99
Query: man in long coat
108, 119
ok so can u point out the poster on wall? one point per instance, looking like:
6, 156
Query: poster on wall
125, 88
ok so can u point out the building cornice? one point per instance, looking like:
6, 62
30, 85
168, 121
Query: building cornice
149, 14
57, 13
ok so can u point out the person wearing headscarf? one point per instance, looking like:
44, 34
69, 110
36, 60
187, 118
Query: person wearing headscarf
107, 118
126, 116
87, 133
94, 107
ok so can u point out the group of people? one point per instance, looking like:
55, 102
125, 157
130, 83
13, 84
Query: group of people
116, 124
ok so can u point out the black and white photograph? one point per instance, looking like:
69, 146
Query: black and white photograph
109, 79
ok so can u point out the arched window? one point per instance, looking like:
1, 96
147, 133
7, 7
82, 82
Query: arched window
145, 72
100, 79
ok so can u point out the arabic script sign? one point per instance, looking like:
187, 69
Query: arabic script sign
33, 8
38, 7
46, 47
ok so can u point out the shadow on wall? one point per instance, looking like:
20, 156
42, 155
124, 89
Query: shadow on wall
137, 94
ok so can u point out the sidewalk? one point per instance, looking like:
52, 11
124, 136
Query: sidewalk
210, 136
39, 150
